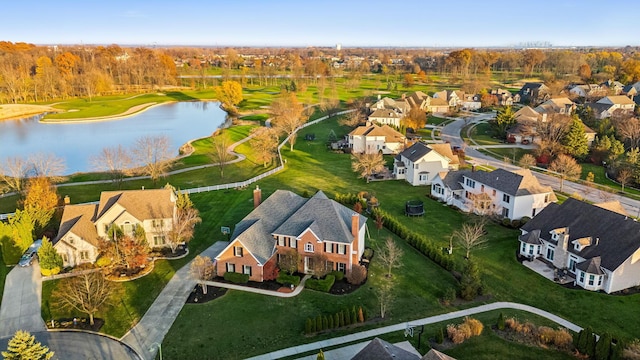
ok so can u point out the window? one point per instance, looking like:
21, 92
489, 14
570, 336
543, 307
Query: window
328, 247
293, 243
482, 188
506, 198
494, 192
341, 267
533, 212
127, 228
159, 240
231, 267
65, 258
546, 198
308, 247
246, 269
281, 241
84, 255
523, 248
237, 251
342, 249
530, 249
572, 264
71, 241
599, 280
401, 171
581, 277
592, 279
470, 183
415, 166
157, 223
505, 212
423, 177
330, 265
550, 253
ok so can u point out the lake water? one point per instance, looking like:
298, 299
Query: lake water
77, 142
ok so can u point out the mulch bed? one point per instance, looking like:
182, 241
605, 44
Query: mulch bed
265, 285
197, 297
343, 287
166, 252
79, 323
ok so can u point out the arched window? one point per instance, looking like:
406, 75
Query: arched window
308, 247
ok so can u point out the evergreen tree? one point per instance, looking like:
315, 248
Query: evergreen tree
603, 347
325, 323
590, 348
347, 317
331, 322
470, 283
440, 336
50, 261
501, 324
504, 120
320, 355
23, 346
307, 326
580, 342
319, 323
336, 320
575, 142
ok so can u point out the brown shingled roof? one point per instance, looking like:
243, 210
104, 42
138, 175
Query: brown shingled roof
445, 150
142, 204
78, 219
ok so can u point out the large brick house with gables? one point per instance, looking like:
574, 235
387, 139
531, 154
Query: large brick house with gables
318, 229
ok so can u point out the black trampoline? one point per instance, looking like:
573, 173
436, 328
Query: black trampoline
414, 208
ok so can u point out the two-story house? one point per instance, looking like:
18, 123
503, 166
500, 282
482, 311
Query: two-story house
372, 138
512, 195
386, 117
420, 163
82, 226
317, 229
599, 248
561, 105
606, 106
534, 93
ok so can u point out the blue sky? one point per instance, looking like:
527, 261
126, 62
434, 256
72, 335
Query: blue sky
322, 22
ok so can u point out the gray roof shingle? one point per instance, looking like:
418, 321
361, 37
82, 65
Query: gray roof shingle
616, 236
499, 179
416, 151
379, 349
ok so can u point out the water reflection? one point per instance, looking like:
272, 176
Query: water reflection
76, 143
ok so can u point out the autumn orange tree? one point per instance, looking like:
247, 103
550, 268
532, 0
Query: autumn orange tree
288, 115
230, 95
41, 200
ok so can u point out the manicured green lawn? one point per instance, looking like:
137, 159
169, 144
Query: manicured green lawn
508, 153
434, 120
599, 177
481, 133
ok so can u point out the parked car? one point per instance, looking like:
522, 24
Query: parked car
32, 251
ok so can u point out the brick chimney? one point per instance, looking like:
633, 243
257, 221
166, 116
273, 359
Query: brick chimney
355, 229
257, 197
67, 200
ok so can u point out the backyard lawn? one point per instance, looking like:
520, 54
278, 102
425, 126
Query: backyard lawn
481, 133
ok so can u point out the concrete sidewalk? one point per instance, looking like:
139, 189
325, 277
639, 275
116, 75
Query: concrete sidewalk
326, 344
295, 292
156, 322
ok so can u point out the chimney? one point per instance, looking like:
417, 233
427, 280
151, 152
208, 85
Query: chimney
473, 168
257, 197
142, 187
67, 200
355, 225
564, 241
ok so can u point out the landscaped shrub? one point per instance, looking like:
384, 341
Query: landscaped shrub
360, 315
470, 327
103, 261
603, 347
236, 278
286, 279
336, 320
562, 338
515, 224
440, 336
307, 326
325, 322
357, 275
354, 316
501, 324
524, 220
49, 272
368, 253
319, 323
475, 326
339, 275
331, 323
347, 317
342, 320
506, 222
632, 350
323, 285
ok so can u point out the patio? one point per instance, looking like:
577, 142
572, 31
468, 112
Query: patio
547, 270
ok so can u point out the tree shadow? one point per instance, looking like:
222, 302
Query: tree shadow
180, 96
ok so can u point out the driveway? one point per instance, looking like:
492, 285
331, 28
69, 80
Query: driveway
21, 301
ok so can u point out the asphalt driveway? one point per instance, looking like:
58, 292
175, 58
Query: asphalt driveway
20, 309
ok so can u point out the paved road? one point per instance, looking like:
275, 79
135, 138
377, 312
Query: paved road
451, 133
157, 321
325, 344
20, 308
72, 345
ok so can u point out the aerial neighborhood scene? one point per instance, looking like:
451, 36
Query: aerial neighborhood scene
319, 180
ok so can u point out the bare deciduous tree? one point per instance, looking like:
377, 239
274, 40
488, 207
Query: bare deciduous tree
566, 167
202, 269
114, 160
288, 115
624, 176
318, 265
385, 295
46, 165
390, 255
183, 226
13, 172
527, 161
87, 293
470, 237
629, 130
288, 260
367, 164
220, 155
153, 153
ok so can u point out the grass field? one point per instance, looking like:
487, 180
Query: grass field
481, 133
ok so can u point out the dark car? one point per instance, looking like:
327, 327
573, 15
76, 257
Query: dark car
31, 252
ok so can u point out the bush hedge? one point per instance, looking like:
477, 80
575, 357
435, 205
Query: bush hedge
339, 275
323, 285
286, 279
236, 278
344, 317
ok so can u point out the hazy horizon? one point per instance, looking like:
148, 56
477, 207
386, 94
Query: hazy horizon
286, 23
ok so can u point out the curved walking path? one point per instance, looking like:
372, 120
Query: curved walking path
325, 344
295, 292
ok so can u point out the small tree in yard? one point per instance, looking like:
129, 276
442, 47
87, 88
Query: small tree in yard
288, 260
87, 293
202, 269
288, 115
23, 346
470, 283
566, 167
183, 225
367, 164
379, 223
40, 201
357, 275
318, 265
220, 156
50, 261
390, 255
265, 144
470, 237
385, 295
527, 161
624, 176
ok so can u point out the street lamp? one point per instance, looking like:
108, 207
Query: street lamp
159, 346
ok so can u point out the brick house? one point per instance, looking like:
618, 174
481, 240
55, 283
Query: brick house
317, 229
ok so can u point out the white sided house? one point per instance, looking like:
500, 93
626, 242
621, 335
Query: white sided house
373, 138
599, 248
512, 195
82, 226
421, 163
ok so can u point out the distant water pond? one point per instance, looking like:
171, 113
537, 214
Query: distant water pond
77, 142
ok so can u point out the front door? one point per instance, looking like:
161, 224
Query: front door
308, 264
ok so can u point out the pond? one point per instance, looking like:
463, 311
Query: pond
78, 142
